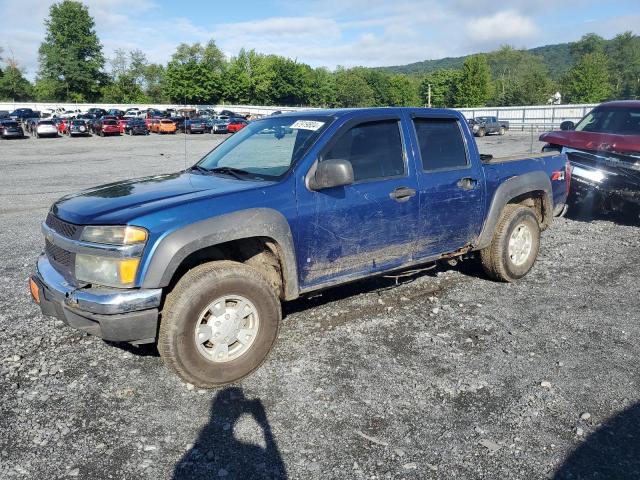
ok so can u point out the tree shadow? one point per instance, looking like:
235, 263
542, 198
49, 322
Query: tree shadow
217, 453
611, 452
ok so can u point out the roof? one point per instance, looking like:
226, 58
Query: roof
339, 112
621, 103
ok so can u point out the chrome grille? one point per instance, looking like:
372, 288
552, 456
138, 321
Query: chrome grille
65, 229
62, 260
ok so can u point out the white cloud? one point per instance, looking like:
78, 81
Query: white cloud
506, 25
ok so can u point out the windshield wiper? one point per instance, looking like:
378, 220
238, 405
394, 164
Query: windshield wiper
200, 169
234, 172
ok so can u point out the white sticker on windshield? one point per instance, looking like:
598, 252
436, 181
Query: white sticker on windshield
307, 124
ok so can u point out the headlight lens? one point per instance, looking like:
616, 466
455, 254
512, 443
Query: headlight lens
110, 272
114, 235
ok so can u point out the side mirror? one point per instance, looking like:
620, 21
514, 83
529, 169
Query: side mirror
567, 125
331, 173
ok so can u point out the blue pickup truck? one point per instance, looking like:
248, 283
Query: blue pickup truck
199, 260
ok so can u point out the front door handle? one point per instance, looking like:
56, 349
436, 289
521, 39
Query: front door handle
467, 183
402, 194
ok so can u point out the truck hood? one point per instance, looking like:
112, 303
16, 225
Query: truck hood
120, 202
593, 141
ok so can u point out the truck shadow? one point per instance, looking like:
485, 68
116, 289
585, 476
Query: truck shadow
611, 452
218, 453
587, 211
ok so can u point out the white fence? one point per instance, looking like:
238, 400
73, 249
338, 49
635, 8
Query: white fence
534, 117
243, 109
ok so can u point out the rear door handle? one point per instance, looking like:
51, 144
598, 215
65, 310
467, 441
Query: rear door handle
402, 194
467, 183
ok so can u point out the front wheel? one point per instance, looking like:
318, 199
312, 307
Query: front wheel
218, 324
514, 247
502, 131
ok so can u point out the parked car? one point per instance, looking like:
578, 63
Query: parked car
180, 123
219, 126
30, 124
604, 150
163, 126
11, 129
236, 124
78, 128
70, 113
136, 126
230, 114
108, 126
4, 114
46, 128
61, 123
195, 125
213, 250
481, 126
19, 114
98, 112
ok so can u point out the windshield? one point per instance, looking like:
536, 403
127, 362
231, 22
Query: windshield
267, 147
620, 121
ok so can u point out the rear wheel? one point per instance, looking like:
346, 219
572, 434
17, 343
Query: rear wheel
502, 131
218, 324
481, 132
514, 247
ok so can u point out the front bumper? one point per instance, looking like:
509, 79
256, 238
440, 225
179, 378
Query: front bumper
585, 178
122, 315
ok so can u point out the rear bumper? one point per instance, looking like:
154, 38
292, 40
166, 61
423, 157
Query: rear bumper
123, 315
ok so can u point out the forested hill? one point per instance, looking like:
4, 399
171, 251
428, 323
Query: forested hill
556, 57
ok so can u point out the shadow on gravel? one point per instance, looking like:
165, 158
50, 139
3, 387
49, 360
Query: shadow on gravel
217, 453
611, 452
587, 212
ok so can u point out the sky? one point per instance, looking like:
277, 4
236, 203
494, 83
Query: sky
324, 32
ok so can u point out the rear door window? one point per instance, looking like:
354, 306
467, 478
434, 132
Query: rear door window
441, 144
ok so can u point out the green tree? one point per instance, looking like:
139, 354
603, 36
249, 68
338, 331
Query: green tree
127, 76
195, 74
323, 88
401, 91
520, 78
443, 87
352, 90
71, 53
589, 43
474, 88
13, 85
153, 83
588, 80
623, 52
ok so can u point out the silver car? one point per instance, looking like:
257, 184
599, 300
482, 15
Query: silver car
46, 128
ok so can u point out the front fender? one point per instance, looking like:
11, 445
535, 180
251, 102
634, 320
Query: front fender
254, 222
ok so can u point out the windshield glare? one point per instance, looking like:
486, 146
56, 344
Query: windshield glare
621, 121
267, 147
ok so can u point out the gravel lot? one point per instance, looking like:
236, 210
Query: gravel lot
447, 375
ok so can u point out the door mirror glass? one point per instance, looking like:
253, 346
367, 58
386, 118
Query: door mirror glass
567, 125
331, 173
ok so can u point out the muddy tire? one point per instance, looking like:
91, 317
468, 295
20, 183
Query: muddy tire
502, 131
213, 305
514, 247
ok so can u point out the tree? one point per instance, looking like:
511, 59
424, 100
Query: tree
589, 43
71, 53
352, 90
443, 87
401, 91
474, 87
623, 52
194, 74
323, 88
13, 85
520, 78
127, 76
588, 80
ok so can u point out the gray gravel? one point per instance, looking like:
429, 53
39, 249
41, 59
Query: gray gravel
447, 375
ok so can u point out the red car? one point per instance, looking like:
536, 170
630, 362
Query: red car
604, 151
108, 127
236, 125
62, 123
122, 122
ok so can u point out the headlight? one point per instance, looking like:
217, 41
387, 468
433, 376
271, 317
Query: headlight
110, 272
114, 235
